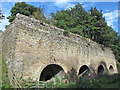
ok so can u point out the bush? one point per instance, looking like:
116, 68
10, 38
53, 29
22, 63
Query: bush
118, 66
66, 33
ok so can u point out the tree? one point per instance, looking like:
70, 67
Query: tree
89, 24
70, 18
1, 15
105, 35
39, 15
21, 8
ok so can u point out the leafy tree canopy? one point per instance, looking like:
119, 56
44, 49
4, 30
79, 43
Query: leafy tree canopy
39, 15
21, 8
89, 24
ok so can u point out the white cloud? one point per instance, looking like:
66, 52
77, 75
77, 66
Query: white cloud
3, 23
111, 17
63, 3
107, 10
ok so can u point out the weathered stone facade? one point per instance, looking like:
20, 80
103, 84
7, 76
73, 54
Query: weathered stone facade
31, 47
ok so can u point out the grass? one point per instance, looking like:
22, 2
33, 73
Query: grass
103, 81
4, 80
118, 66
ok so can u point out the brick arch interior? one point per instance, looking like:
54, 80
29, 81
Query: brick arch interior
50, 71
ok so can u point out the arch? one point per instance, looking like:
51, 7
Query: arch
111, 70
50, 71
84, 70
101, 69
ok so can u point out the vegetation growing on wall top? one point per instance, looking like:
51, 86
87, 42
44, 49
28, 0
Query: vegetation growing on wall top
28, 10
90, 24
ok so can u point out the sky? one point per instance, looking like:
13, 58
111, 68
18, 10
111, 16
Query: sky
110, 9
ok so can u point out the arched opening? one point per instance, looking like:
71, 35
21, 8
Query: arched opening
101, 70
111, 69
84, 71
50, 71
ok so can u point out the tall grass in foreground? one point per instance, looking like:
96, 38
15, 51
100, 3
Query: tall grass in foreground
103, 81
5, 79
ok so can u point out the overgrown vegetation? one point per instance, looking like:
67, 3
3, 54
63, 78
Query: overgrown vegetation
28, 10
103, 81
118, 66
5, 79
90, 24
5, 83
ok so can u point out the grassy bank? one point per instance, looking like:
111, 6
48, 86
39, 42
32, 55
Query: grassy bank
103, 81
5, 79
3, 67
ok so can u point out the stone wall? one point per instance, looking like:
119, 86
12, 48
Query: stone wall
29, 46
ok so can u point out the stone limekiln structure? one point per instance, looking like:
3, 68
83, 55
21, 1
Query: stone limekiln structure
39, 51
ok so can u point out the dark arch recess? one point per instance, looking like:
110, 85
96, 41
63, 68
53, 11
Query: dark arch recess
111, 69
84, 70
50, 71
101, 70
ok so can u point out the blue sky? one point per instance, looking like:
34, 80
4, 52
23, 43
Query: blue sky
110, 9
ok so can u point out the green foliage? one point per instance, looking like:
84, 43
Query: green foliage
21, 8
89, 24
1, 15
118, 66
66, 32
69, 18
28, 10
103, 81
39, 15
5, 79
57, 83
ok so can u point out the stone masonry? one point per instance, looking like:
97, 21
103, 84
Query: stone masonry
38, 51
